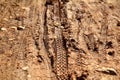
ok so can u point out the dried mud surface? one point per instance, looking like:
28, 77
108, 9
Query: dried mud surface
90, 39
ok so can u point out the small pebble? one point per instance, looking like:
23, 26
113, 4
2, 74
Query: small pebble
25, 68
20, 27
29, 76
56, 24
26, 8
55, 37
5, 19
62, 27
14, 28
11, 39
105, 70
3, 29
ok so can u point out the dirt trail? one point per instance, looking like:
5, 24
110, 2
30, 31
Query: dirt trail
37, 36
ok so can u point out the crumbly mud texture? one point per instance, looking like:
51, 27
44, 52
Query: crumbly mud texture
59, 40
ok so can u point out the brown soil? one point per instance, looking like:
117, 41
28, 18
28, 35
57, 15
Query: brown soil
60, 39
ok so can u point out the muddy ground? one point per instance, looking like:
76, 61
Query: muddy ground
60, 39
